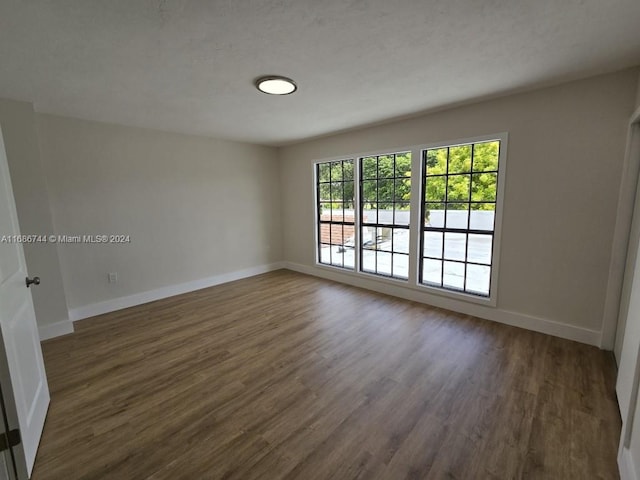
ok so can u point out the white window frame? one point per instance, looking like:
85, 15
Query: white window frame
492, 299
318, 222
360, 226
415, 232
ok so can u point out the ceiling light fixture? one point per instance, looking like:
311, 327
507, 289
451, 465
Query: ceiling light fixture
276, 85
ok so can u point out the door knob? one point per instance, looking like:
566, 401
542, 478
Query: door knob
34, 280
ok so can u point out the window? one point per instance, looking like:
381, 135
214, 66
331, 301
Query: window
335, 213
460, 184
385, 194
426, 216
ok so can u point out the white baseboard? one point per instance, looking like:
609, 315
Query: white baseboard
625, 465
119, 303
550, 327
542, 325
55, 329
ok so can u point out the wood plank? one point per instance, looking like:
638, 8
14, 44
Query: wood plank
286, 376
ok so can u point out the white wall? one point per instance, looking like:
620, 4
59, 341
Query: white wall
194, 207
565, 152
17, 120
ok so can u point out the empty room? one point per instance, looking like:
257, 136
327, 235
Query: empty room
349, 239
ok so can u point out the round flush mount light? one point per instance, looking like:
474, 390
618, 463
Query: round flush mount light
276, 85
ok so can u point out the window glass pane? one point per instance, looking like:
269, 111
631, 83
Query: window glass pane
324, 235
385, 166
350, 235
339, 235
401, 240
325, 192
455, 246
325, 253
479, 248
457, 214
402, 214
403, 164
483, 187
384, 263
369, 237
369, 191
323, 172
432, 272
347, 170
458, 188
348, 193
350, 258
482, 216
336, 257
485, 156
325, 211
337, 214
460, 159
432, 244
336, 192
403, 190
336, 171
383, 238
349, 216
400, 266
453, 275
435, 189
369, 215
385, 213
385, 190
434, 215
369, 167
436, 161
478, 279
369, 261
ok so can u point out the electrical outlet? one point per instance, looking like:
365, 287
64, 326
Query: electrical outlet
113, 277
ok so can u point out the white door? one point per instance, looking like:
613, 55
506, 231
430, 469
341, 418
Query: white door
22, 375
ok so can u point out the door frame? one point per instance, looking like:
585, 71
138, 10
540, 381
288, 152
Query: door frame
623, 275
616, 300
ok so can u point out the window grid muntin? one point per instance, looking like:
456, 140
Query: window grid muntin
445, 229
378, 224
332, 223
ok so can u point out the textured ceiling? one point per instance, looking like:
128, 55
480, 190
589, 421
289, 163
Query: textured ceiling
189, 65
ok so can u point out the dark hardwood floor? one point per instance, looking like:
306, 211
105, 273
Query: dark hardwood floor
286, 376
